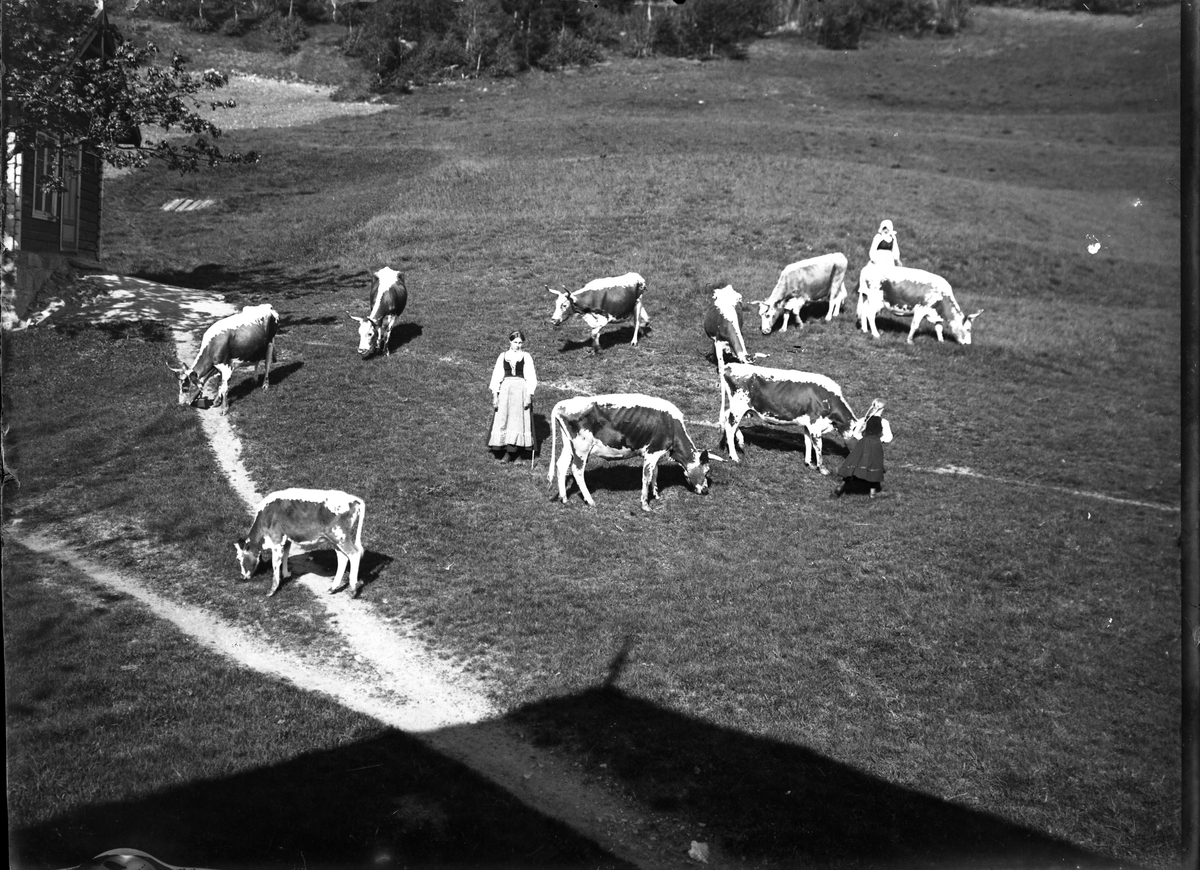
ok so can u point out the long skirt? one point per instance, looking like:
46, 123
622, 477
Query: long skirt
513, 424
865, 461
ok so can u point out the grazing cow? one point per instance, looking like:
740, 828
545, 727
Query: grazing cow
602, 301
904, 291
810, 280
812, 402
389, 295
240, 339
306, 518
617, 427
723, 323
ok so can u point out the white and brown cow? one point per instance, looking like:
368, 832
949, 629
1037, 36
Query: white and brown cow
308, 518
245, 338
784, 396
619, 426
723, 323
389, 295
810, 280
905, 291
602, 301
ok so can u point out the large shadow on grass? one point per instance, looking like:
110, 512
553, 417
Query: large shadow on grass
763, 802
384, 801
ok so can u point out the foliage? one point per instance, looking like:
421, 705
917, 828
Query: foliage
704, 28
842, 25
288, 33
53, 87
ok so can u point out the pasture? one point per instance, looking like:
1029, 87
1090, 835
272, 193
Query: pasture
798, 672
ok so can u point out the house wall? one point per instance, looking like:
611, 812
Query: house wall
36, 253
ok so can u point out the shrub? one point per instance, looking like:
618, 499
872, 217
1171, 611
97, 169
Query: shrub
841, 26
709, 27
288, 33
567, 49
233, 27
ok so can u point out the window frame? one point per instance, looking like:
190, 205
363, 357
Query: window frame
47, 162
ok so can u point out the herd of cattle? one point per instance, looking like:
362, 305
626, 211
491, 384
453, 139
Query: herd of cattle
615, 426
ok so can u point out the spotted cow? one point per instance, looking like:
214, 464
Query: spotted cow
389, 295
723, 323
905, 291
783, 396
619, 426
602, 301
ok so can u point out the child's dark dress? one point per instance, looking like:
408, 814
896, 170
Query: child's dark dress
866, 457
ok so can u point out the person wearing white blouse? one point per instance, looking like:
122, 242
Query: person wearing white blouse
514, 381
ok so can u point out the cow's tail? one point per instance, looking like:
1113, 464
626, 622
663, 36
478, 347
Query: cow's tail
555, 422
358, 526
723, 388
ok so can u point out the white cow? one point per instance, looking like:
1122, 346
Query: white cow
905, 291
810, 280
307, 518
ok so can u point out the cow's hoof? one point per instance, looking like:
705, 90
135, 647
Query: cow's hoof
333, 589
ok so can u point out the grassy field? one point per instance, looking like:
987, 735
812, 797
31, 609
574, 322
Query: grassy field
1004, 649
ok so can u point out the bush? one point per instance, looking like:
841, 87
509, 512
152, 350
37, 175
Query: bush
288, 33
233, 27
841, 26
570, 50
703, 28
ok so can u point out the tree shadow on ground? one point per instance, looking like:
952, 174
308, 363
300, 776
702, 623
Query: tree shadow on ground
154, 331
262, 282
391, 800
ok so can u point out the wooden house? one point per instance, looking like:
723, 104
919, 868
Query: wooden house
48, 229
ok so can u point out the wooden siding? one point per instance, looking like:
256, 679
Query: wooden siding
44, 236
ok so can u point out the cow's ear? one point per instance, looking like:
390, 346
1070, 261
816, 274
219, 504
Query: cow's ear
704, 457
976, 314
352, 317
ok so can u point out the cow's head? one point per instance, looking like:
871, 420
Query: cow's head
368, 335
189, 384
768, 313
562, 306
247, 558
960, 327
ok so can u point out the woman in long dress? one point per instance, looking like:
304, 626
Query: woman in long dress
514, 381
885, 247
863, 468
